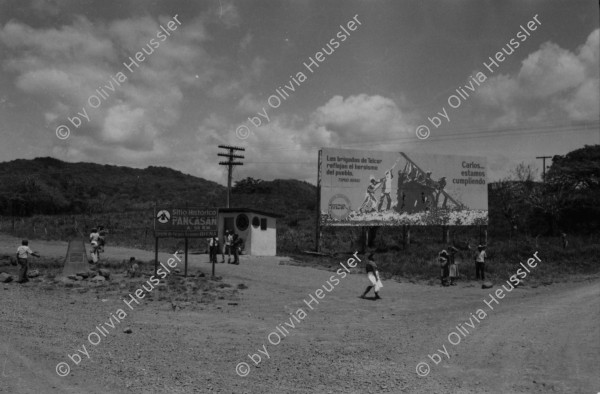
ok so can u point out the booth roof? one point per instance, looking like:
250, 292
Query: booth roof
250, 210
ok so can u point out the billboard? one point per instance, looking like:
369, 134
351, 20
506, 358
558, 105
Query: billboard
371, 188
185, 222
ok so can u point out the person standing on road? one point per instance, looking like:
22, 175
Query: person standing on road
444, 267
373, 276
95, 242
101, 238
236, 243
23, 253
452, 266
227, 246
480, 257
565, 241
213, 249
223, 249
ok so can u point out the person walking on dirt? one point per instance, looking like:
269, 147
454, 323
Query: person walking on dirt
373, 276
23, 253
480, 257
443, 259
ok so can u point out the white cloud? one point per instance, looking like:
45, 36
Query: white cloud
246, 41
360, 118
553, 84
229, 85
286, 147
64, 66
250, 104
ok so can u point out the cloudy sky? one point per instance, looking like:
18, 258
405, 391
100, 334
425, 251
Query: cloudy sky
224, 60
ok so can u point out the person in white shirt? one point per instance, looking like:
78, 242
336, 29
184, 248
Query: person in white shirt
95, 242
23, 253
228, 240
480, 257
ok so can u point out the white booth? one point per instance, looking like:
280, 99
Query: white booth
258, 229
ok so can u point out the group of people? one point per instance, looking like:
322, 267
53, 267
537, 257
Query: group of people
232, 244
449, 269
448, 265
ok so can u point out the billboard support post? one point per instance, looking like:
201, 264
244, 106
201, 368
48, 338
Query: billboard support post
213, 268
186, 257
405, 236
445, 233
318, 207
363, 239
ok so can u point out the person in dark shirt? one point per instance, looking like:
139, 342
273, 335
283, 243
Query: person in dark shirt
452, 265
443, 259
236, 245
373, 276
213, 249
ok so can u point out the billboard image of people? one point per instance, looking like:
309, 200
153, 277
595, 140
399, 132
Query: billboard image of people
372, 188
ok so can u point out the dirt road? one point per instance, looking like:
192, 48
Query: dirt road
534, 340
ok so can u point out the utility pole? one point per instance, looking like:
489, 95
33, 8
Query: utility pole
544, 165
230, 163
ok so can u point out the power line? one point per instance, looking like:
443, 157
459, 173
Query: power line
468, 133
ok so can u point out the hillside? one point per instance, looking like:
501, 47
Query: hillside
49, 186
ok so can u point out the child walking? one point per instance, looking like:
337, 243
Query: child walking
373, 276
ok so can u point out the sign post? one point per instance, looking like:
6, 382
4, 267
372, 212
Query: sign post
155, 256
172, 222
186, 256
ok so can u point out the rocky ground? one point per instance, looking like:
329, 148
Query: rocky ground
188, 335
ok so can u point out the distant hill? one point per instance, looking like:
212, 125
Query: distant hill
51, 186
